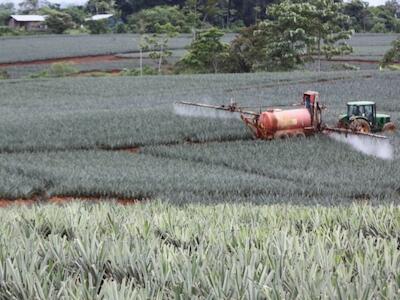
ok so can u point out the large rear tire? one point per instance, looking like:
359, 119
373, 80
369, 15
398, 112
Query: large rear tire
389, 127
360, 125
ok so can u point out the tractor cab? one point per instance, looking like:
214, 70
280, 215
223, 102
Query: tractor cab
311, 102
362, 117
362, 109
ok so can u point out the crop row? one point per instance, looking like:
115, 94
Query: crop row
309, 171
123, 175
49, 47
158, 251
125, 111
14, 49
128, 61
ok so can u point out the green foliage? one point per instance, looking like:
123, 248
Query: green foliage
302, 27
4, 74
206, 53
7, 31
99, 6
247, 51
77, 14
61, 70
359, 15
378, 27
146, 71
98, 26
159, 251
157, 43
375, 18
121, 28
58, 22
393, 55
57, 70
150, 20
6, 10
29, 6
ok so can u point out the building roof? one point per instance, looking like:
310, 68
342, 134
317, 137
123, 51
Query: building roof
361, 103
99, 17
28, 18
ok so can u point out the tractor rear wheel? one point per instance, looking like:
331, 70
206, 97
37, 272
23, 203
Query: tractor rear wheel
360, 125
389, 127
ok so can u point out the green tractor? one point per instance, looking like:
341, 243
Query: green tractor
362, 117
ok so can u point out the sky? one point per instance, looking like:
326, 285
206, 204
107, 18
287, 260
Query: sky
66, 2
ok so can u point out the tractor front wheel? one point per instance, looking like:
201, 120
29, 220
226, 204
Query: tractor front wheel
360, 125
389, 127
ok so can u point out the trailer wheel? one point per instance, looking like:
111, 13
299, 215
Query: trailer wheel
360, 125
389, 127
300, 135
282, 136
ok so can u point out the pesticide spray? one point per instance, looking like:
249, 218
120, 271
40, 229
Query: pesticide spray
191, 111
370, 146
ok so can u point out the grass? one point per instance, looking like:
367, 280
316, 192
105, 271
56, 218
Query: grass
160, 251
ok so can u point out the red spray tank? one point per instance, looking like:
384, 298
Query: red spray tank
278, 123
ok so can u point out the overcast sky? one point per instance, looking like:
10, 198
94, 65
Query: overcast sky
66, 2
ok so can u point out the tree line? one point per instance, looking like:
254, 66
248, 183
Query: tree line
187, 15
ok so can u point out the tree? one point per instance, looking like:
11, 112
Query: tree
98, 26
6, 10
359, 15
384, 18
77, 14
393, 55
315, 26
129, 7
58, 22
100, 6
157, 44
207, 53
247, 52
28, 6
148, 20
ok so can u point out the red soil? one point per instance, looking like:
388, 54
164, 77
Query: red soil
134, 150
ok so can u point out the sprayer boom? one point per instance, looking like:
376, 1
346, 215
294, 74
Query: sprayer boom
327, 130
230, 108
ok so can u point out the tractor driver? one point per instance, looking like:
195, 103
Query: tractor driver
356, 111
307, 101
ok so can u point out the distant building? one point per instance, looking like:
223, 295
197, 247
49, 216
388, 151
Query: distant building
28, 22
100, 17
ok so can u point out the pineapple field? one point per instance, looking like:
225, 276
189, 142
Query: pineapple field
212, 213
124, 138
159, 251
